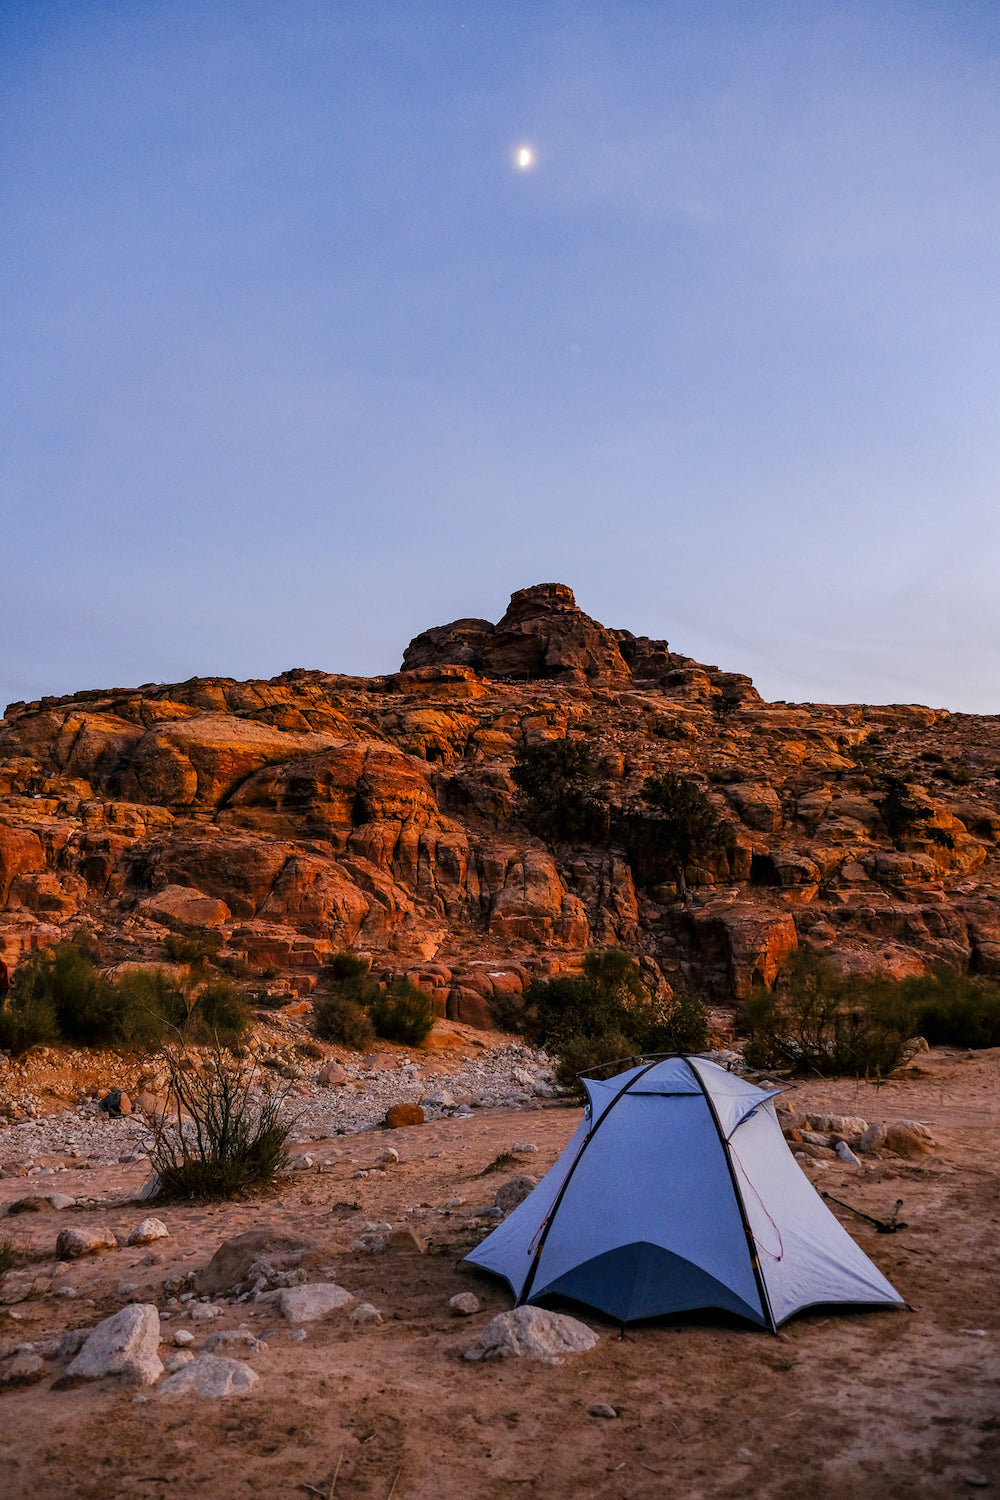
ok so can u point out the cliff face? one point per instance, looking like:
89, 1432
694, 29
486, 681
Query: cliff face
314, 812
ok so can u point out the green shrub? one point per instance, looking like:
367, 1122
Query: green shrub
220, 1013
339, 1019
65, 982
816, 1021
402, 1014
559, 793
233, 1138
954, 1010
580, 1054
191, 948
27, 1020
343, 966
607, 1013
147, 1008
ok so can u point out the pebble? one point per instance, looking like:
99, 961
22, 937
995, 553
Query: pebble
463, 1304
183, 1337
601, 1409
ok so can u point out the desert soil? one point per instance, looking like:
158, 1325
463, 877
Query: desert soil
850, 1403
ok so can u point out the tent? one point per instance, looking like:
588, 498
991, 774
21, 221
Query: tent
678, 1191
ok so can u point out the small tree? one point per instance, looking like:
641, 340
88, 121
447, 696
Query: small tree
675, 824
899, 813
559, 798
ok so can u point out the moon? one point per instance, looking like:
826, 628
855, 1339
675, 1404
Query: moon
524, 158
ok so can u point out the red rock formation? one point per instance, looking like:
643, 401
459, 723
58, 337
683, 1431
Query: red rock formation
316, 812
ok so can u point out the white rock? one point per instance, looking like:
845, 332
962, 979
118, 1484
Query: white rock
533, 1332
183, 1337
125, 1344
874, 1137
148, 1231
211, 1376
203, 1312
304, 1304
366, 1312
846, 1155
463, 1304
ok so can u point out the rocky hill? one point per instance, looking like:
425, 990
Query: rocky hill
315, 812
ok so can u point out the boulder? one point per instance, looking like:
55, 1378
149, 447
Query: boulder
908, 1138
237, 1259
73, 1243
407, 1241
305, 1304
331, 1075
532, 1332
23, 1367
147, 1231
125, 1345
211, 1376
399, 1115
511, 1193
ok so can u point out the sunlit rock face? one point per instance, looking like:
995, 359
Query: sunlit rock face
315, 812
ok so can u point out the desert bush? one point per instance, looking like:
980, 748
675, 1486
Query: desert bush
607, 1013
220, 1013
27, 1020
581, 1054
674, 825
339, 1019
223, 1135
191, 948
402, 1014
343, 966
147, 1008
952, 1009
64, 982
816, 1021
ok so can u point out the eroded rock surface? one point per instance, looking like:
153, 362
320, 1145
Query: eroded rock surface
314, 812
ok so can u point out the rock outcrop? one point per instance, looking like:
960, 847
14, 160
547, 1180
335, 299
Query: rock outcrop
314, 812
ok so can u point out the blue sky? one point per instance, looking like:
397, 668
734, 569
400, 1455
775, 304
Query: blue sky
297, 362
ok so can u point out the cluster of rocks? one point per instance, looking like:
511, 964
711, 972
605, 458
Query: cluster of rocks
264, 1272
847, 1138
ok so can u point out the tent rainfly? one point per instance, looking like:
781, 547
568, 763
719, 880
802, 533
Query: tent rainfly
678, 1191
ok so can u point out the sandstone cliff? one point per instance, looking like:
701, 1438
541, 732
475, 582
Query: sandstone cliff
314, 812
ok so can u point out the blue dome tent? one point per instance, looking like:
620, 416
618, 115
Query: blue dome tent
676, 1192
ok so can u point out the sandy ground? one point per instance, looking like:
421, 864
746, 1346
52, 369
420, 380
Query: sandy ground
873, 1404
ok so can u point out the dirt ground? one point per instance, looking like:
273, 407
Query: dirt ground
850, 1403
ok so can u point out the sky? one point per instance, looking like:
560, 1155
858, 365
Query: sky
297, 360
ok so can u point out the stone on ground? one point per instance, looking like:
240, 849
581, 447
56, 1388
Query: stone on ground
464, 1304
211, 1376
72, 1243
532, 1332
399, 1115
238, 1257
304, 1304
126, 1345
148, 1231
21, 1368
511, 1193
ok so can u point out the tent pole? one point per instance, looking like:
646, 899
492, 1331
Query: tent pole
530, 1278
765, 1300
